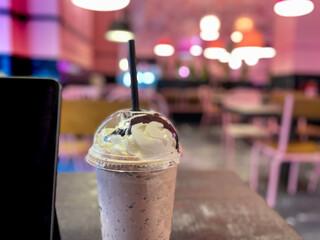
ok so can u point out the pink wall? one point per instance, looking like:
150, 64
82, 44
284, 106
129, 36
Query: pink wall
307, 47
76, 34
5, 33
44, 35
5, 3
5, 29
105, 53
44, 39
58, 30
19, 30
48, 7
297, 41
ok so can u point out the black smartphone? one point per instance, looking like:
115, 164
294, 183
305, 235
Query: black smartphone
30, 109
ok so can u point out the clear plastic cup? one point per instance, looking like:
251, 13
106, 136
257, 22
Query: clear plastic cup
136, 154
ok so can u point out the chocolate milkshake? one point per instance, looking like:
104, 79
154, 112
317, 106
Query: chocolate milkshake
136, 155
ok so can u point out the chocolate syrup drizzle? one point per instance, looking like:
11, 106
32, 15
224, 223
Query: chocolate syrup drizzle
147, 118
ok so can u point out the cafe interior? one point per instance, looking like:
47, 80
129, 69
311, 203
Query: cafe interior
240, 80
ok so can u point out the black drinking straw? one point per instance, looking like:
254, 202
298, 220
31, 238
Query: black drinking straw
133, 72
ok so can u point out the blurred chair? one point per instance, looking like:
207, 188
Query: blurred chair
190, 102
77, 92
210, 111
154, 100
282, 151
305, 131
182, 100
232, 128
174, 98
79, 121
306, 107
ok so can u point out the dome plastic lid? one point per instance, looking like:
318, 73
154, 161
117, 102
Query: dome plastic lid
135, 141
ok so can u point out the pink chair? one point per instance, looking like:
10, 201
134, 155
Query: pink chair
232, 130
72, 150
282, 151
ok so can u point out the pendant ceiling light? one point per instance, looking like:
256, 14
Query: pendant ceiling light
164, 47
119, 31
209, 26
293, 8
236, 36
101, 5
251, 38
209, 23
216, 50
244, 24
196, 50
250, 49
196, 46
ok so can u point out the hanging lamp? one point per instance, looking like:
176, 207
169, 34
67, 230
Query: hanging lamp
164, 47
293, 8
101, 5
216, 50
119, 30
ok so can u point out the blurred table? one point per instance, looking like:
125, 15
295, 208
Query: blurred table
263, 110
208, 205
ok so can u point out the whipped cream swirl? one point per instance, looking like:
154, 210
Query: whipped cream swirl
143, 135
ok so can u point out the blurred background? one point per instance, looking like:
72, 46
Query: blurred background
220, 69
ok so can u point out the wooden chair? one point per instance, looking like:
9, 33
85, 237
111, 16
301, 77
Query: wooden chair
210, 111
283, 150
174, 98
306, 108
190, 102
305, 131
79, 121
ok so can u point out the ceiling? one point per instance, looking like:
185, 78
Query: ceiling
178, 19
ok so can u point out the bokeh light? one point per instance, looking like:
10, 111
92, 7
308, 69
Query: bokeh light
184, 71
